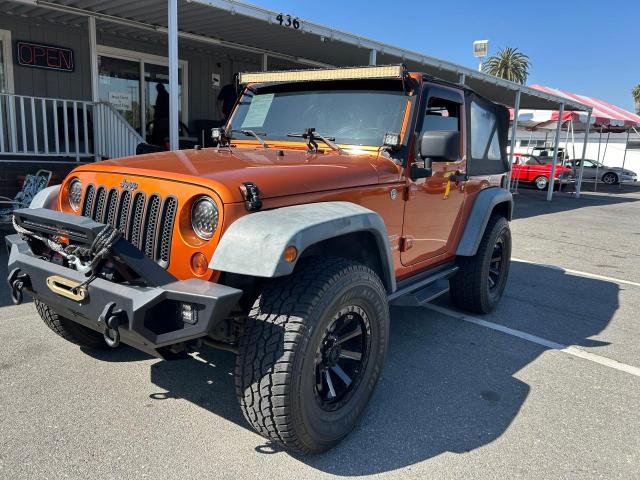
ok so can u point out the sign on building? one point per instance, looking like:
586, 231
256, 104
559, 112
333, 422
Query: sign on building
480, 48
121, 100
38, 55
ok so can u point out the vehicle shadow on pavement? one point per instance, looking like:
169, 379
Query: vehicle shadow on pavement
447, 386
124, 353
205, 380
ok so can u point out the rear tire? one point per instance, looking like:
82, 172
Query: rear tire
330, 312
480, 282
70, 330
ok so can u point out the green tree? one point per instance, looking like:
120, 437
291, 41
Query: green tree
509, 64
635, 92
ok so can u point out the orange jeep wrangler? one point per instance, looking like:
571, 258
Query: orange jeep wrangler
329, 195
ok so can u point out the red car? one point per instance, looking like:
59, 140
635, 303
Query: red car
531, 169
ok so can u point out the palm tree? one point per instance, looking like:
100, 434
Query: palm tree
509, 64
635, 92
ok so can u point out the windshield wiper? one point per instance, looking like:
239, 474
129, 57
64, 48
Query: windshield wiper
311, 136
251, 133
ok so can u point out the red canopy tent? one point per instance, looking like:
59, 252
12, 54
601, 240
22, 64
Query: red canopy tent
605, 116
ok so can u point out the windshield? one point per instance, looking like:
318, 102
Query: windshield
353, 116
533, 161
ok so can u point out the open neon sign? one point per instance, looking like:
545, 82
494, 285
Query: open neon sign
45, 56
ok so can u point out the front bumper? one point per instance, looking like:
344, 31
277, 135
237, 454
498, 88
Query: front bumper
149, 317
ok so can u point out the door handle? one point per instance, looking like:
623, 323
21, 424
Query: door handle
459, 177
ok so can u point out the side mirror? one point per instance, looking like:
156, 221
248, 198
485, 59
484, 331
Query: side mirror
440, 145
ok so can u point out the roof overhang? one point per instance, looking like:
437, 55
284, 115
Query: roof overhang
231, 24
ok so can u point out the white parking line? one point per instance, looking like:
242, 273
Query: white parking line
579, 273
568, 349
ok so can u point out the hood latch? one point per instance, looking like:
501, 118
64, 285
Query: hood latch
251, 195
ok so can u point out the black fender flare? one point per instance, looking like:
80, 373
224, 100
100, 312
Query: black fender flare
485, 203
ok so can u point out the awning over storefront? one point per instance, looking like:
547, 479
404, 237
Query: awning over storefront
604, 116
229, 24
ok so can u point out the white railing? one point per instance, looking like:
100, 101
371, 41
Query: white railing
120, 139
38, 126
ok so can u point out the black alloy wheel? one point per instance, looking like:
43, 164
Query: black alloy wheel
610, 178
497, 264
342, 357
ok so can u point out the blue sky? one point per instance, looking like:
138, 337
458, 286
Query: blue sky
587, 47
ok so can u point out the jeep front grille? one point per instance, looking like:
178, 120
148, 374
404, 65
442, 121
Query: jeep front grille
146, 222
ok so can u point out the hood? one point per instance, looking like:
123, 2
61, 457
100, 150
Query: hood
291, 173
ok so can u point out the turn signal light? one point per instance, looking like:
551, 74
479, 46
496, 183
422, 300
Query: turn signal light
290, 254
199, 264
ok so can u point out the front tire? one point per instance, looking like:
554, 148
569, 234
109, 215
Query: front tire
69, 330
480, 282
610, 178
311, 353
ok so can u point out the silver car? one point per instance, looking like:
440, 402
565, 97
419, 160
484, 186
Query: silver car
608, 175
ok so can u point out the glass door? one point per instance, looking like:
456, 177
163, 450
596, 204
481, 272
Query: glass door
119, 85
156, 96
137, 85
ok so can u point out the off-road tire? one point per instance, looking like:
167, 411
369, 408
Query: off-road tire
276, 365
469, 288
70, 330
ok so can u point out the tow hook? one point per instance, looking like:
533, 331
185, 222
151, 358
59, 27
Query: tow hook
111, 318
18, 282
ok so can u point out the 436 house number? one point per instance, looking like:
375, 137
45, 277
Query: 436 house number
288, 21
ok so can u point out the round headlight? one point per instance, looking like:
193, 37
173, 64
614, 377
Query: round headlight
204, 217
75, 194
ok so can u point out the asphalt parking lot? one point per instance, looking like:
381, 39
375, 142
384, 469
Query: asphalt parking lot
548, 386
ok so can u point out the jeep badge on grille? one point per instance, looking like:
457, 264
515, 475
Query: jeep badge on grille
127, 185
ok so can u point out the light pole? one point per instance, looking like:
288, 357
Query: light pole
480, 49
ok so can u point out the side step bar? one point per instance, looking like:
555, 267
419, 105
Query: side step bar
423, 288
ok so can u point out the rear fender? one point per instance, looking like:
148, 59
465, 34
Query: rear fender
487, 201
